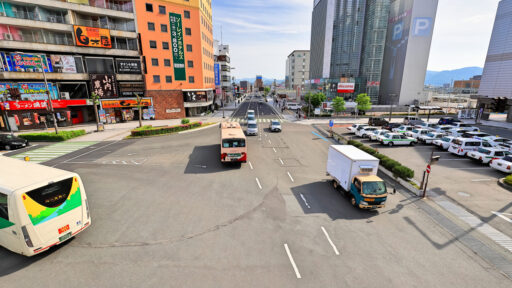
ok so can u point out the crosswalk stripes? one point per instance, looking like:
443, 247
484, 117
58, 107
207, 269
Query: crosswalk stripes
53, 151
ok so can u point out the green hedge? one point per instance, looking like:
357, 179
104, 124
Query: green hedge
185, 121
394, 166
52, 137
508, 180
149, 130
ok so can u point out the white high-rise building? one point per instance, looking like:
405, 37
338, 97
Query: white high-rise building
297, 69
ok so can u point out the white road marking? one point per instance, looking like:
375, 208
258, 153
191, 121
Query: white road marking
250, 165
305, 201
455, 159
269, 141
281, 160
481, 180
502, 217
266, 135
297, 273
87, 153
290, 175
477, 168
258, 181
329, 239
275, 151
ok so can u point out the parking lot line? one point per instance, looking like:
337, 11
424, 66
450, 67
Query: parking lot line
250, 165
281, 160
481, 180
290, 175
305, 201
258, 181
502, 217
330, 242
297, 273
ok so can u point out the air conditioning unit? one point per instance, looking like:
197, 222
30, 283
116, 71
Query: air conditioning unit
64, 95
7, 36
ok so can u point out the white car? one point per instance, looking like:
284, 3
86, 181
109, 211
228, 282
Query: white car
444, 143
365, 132
475, 135
443, 128
457, 132
377, 133
496, 140
485, 155
293, 106
403, 129
275, 126
429, 126
252, 128
354, 127
461, 146
430, 137
503, 165
391, 139
465, 126
416, 133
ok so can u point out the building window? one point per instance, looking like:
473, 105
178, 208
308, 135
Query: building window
188, 31
156, 78
151, 26
154, 61
165, 45
149, 7
186, 14
190, 64
161, 9
163, 27
191, 79
152, 44
189, 48
167, 62
168, 79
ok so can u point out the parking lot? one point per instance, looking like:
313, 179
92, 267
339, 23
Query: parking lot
463, 181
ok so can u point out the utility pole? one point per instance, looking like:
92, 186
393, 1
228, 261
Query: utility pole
424, 183
50, 104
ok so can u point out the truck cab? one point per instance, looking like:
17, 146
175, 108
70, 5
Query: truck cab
368, 192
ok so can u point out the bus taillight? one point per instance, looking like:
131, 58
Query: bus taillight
223, 156
243, 158
28, 241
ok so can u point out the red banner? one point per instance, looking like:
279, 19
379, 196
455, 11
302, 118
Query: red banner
41, 104
346, 87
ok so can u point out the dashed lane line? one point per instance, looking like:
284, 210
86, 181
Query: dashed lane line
330, 242
297, 273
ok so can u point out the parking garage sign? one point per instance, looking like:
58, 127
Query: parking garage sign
178, 55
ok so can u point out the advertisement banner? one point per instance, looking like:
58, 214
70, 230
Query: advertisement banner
85, 2
37, 91
346, 87
92, 37
217, 73
128, 66
63, 63
198, 96
29, 63
105, 86
125, 103
178, 55
41, 104
4, 89
102, 116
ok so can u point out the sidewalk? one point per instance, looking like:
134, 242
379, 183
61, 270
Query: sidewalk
489, 123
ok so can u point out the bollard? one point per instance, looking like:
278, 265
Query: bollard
27, 159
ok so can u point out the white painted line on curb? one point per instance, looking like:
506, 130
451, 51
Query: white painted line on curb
281, 160
330, 242
250, 165
481, 180
258, 181
275, 151
502, 217
304, 199
290, 175
297, 273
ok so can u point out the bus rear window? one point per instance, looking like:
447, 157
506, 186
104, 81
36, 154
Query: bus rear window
233, 143
53, 194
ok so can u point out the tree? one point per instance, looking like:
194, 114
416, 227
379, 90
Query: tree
338, 104
139, 106
363, 102
96, 101
267, 90
314, 99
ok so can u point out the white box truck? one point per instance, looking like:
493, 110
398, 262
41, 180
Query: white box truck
355, 173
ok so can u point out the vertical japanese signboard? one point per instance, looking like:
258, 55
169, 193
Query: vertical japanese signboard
104, 86
178, 54
217, 74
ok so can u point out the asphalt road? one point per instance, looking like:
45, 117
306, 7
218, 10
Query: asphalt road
261, 109
166, 213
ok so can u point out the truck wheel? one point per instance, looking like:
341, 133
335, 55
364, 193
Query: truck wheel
412, 143
390, 144
335, 184
353, 201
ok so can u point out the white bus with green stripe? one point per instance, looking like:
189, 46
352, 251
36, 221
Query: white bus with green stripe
40, 206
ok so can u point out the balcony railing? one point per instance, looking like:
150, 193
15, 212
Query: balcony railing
36, 16
124, 6
126, 26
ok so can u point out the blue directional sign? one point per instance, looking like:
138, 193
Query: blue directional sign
331, 123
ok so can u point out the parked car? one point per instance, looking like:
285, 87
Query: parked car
503, 165
252, 128
275, 126
466, 126
416, 122
377, 121
416, 133
8, 142
461, 146
447, 120
402, 129
391, 126
496, 140
430, 137
293, 106
444, 143
429, 126
377, 133
365, 131
457, 132
485, 155
475, 135
408, 119
443, 128
391, 139
354, 127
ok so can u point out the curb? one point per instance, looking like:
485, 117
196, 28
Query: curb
501, 182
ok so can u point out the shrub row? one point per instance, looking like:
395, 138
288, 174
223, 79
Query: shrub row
508, 180
150, 130
185, 121
394, 166
52, 137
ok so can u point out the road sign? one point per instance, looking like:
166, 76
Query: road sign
331, 123
428, 169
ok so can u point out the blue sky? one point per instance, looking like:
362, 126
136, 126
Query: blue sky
261, 33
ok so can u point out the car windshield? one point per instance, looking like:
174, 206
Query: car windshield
484, 151
374, 188
415, 131
252, 126
446, 139
431, 135
508, 158
275, 123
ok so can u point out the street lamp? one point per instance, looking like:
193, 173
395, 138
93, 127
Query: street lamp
50, 105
